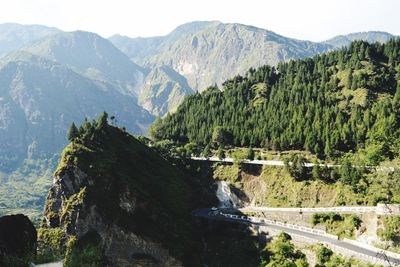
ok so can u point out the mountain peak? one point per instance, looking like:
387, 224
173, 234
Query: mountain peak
369, 36
95, 57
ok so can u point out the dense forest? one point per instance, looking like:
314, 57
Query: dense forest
332, 103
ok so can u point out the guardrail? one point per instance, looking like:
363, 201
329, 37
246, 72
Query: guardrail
394, 257
271, 222
375, 249
364, 257
356, 209
282, 163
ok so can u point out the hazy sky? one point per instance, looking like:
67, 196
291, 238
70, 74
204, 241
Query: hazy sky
314, 20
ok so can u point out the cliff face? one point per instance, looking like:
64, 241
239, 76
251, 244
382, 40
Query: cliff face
113, 193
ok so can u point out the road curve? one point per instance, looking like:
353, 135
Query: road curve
214, 214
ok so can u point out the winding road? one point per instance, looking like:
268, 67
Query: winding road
370, 255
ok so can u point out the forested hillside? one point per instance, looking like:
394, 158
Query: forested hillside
328, 104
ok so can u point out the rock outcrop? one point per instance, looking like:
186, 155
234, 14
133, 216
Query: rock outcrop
17, 237
137, 205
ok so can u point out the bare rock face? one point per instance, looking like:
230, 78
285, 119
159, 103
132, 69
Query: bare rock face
17, 236
115, 194
78, 217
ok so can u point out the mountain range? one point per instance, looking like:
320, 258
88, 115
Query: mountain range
208, 53
50, 78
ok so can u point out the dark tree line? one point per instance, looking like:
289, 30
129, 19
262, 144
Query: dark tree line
334, 102
88, 130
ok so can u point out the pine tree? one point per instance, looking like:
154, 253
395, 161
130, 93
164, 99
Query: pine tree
73, 132
102, 121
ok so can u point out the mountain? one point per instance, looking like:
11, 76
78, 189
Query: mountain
370, 36
39, 99
13, 36
329, 104
116, 202
210, 52
114, 195
158, 89
164, 89
139, 48
94, 57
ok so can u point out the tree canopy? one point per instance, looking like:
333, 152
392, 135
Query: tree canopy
332, 103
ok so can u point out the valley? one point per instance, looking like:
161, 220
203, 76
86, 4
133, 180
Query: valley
218, 144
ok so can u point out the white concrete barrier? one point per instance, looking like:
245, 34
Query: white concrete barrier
372, 248
380, 209
287, 225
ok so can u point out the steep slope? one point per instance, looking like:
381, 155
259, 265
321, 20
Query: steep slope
91, 55
113, 193
332, 103
40, 98
370, 36
163, 91
139, 48
38, 101
13, 36
209, 52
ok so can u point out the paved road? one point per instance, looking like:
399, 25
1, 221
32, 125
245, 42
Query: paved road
213, 214
282, 163
259, 162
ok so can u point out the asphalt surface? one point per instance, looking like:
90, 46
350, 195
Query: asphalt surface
208, 213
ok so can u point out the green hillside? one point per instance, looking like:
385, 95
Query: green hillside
329, 104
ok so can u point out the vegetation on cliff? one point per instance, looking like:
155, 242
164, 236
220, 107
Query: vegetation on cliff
128, 185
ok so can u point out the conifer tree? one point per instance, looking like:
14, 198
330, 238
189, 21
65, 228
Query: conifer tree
73, 132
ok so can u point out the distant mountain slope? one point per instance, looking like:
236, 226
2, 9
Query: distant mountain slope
209, 52
163, 91
40, 99
370, 36
98, 59
14, 36
95, 57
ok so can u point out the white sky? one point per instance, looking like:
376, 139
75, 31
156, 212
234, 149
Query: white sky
303, 19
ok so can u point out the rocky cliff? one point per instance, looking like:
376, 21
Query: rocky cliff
114, 196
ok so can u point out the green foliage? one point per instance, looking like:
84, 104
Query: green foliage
391, 229
73, 132
115, 162
281, 252
221, 153
341, 225
296, 167
326, 258
37, 177
323, 254
329, 104
349, 174
52, 243
154, 130
207, 151
89, 256
220, 136
102, 121
250, 153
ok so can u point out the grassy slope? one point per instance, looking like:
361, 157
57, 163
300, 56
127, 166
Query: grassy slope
273, 186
